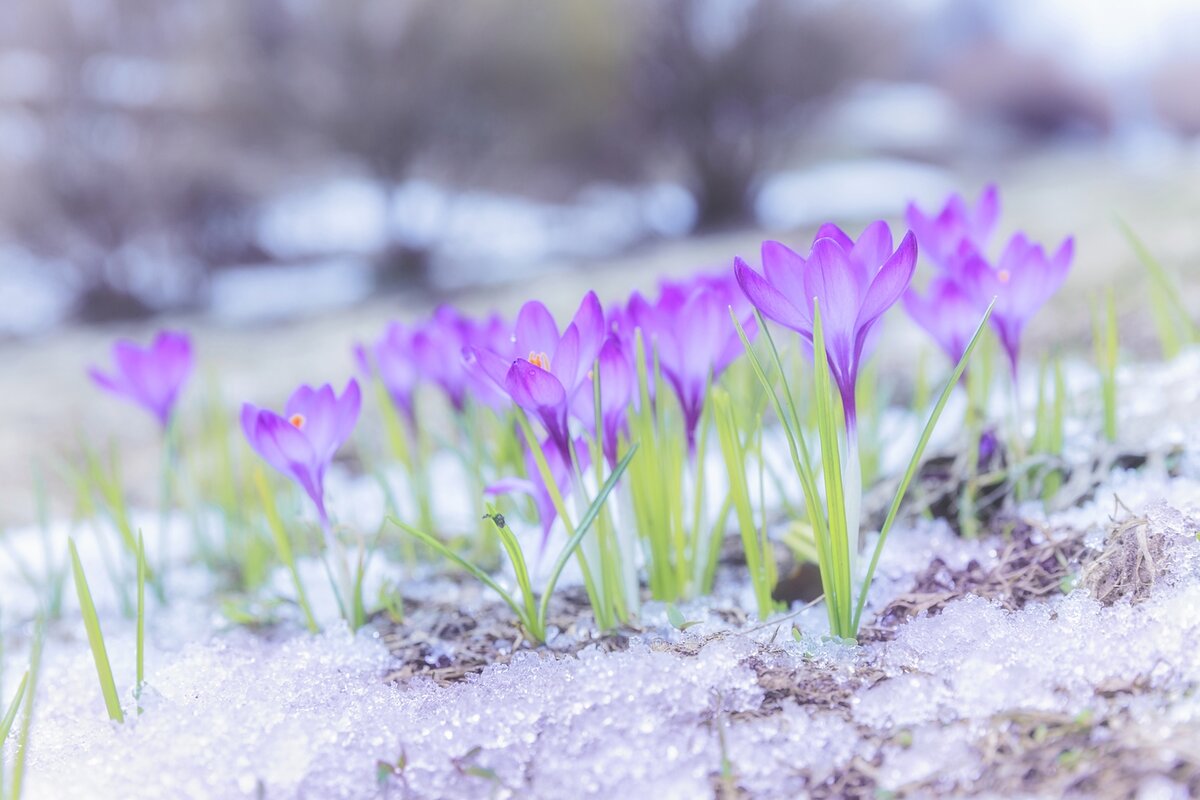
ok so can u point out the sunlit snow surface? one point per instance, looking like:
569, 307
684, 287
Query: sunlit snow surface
236, 713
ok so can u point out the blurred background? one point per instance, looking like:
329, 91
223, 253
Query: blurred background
314, 167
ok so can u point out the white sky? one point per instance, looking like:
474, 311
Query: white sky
1104, 38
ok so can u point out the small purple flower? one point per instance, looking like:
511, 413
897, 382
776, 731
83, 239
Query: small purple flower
547, 380
536, 488
616, 391
392, 358
302, 442
1022, 281
947, 313
695, 340
855, 281
150, 376
941, 237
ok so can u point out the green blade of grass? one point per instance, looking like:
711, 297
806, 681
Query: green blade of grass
91, 623
831, 466
475, 571
283, 546
22, 754
10, 716
141, 612
799, 452
915, 462
1175, 328
585, 522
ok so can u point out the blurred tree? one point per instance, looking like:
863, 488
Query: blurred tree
121, 196
722, 89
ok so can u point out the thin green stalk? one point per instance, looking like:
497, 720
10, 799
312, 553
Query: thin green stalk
799, 453
914, 463
828, 428
1171, 320
35, 663
534, 621
1104, 337
585, 522
560, 506
10, 716
141, 614
739, 490
91, 623
283, 546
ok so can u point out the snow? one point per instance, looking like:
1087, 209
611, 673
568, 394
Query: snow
859, 189
232, 712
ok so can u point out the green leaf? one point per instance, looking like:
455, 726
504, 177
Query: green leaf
915, 462
478, 573
91, 623
10, 716
1175, 328
585, 523
675, 617
283, 546
141, 612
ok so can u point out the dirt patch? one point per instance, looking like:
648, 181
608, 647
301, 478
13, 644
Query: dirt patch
440, 641
1033, 563
1129, 565
1052, 755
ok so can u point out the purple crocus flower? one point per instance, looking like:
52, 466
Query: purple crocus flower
301, 443
1021, 282
150, 376
616, 391
493, 334
557, 367
947, 313
436, 352
690, 330
392, 358
941, 237
856, 282
536, 488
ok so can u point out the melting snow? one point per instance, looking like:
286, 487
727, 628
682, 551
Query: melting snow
232, 713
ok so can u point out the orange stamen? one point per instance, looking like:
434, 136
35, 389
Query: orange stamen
539, 360
297, 420
1003, 275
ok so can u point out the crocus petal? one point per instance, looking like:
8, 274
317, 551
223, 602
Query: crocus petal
784, 269
537, 390
589, 321
349, 405
831, 231
874, 247
260, 442
890, 282
536, 331
316, 410
987, 212
830, 278
566, 365
487, 362
111, 383
767, 299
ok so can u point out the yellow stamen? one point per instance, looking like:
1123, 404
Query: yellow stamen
1003, 275
297, 420
539, 360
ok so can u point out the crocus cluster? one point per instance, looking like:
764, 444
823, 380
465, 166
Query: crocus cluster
430, 352
689, 328
855, 282
1021, 280
557, 375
